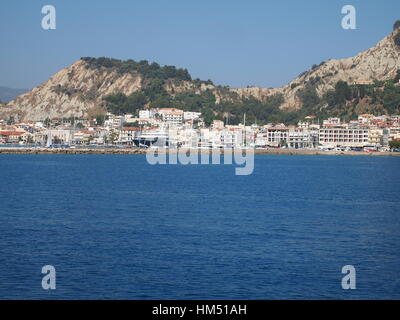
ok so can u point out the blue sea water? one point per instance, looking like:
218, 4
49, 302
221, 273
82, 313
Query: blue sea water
115, 227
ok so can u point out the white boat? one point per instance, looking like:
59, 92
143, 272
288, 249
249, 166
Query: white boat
49, 139
148, 138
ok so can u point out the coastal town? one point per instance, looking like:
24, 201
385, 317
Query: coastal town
172, 127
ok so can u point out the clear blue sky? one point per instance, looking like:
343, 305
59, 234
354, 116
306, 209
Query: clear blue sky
235, 43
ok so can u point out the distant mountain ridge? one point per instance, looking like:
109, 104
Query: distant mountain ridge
8, 94
80, 90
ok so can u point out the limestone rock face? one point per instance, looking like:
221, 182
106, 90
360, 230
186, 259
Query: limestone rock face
79, 91
74, 91
380, 62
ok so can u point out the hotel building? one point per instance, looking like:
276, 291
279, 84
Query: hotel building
344, 137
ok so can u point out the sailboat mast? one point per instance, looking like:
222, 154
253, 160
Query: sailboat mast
244, 124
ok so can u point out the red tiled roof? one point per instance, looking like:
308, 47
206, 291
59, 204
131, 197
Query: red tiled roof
11, 133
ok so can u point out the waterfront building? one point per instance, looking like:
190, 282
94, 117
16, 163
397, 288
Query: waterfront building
231, 138
187, 138
171, 116
208, 137
299, 138
82, 137
12, 136
394, 132
277, 136
345, 137
375, 137
261, 139
186, 129
59, 136
113, 121
40, 137
127, 135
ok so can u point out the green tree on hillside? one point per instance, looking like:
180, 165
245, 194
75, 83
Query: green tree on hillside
11, 120
396, 25
162, 101
396, 39
391, 98
309, 98
155, 89
208, 116
394, 144
148, 70
340, 95
100, 118
120, 103
342, 92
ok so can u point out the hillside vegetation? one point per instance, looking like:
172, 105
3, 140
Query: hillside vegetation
91, 86
154, 94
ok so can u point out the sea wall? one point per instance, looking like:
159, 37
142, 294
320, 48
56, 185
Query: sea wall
35, 150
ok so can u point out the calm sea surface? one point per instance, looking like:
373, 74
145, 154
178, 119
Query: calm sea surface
115, 227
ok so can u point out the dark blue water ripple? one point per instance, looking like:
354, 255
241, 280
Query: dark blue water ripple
116, 227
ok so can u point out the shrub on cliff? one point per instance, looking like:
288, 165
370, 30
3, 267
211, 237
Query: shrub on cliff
148, 70
309, 97
394, 144
397, 39
396, 25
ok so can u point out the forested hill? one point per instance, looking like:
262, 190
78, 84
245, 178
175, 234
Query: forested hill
367, 82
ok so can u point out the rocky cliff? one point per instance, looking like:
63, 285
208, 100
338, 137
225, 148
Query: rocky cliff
79, 89
380, 62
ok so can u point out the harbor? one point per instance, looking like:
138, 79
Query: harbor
135, 150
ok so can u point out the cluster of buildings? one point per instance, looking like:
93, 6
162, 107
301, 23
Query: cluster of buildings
177, 128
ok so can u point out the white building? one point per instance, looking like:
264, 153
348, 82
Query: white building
378, 137
277, 136
261, 139
83, 136
188, 115
218, 125
209, 138
127, 134
172, 117
59, 135
147, 114
365, 118
331, 122
113, 121
232, 138
344, 137
299, 138
187, 138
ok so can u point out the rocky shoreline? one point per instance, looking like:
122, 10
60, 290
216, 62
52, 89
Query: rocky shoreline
36, 150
